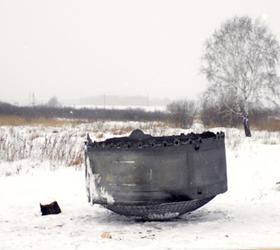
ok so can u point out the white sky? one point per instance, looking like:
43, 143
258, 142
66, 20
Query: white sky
82, 48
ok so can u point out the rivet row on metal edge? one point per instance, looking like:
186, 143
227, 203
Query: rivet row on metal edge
154, 142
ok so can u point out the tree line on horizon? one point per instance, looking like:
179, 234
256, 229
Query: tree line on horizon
180, 113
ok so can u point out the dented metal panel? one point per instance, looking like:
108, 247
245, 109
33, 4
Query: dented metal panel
141, 171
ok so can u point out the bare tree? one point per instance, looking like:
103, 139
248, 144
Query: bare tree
240, 61
182, 112
53, 102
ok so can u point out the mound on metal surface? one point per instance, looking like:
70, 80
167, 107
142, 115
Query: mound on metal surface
156, 177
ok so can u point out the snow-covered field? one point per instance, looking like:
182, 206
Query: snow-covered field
146, 108
40, 164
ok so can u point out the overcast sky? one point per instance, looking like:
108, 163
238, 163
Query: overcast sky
73, 49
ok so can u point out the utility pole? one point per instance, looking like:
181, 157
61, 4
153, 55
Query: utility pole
32, 99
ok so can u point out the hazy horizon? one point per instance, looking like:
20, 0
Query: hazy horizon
76, 49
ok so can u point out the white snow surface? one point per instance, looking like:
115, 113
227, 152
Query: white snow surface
245, 217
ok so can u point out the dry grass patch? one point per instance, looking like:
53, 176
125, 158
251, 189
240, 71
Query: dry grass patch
270, 124
77, 161
13, 120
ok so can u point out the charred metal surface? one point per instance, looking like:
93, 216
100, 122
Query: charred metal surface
145, 176
159, 211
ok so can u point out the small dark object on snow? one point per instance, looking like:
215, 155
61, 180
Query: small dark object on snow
156, 178
52, 208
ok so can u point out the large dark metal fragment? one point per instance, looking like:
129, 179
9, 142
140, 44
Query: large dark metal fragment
156, 177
